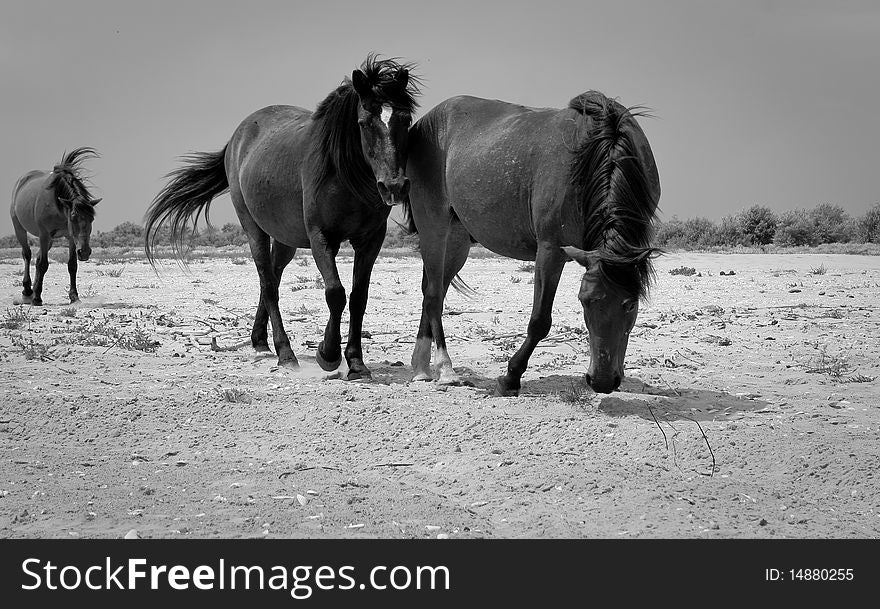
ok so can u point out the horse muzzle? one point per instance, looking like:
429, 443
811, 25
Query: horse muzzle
83, 253
604, 383
394, 191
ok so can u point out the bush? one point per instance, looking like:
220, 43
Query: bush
758, 223
127, 234
796, 227
691, 233
868, 226
831, 223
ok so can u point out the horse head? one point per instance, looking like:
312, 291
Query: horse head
80, 214
609, 293
385, 93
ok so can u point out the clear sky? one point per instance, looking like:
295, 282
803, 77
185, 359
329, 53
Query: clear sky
774, 102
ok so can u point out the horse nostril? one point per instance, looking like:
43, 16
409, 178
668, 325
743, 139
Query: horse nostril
404, 189
589, 379
383, 189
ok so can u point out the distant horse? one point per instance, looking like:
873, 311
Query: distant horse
547, 185
307, 180
51, 204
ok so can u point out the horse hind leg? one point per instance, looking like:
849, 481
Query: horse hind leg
281, 256
22, 236
261, 252
444, 253
458, 245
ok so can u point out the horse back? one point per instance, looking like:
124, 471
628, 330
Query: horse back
35, 207
504, 169
264, 163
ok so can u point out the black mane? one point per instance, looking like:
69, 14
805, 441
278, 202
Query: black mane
68, 180
339, 139
618, 208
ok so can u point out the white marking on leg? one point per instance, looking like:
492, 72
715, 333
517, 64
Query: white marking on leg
386, 114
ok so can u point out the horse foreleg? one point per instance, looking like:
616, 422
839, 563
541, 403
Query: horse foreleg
329, 354
365, 253
41, 266
549, 264
259, 243
71, 268
281, 256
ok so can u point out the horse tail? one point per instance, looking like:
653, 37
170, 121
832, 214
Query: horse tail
463, 288
186, 196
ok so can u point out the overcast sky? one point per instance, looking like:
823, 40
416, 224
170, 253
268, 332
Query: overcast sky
775, 103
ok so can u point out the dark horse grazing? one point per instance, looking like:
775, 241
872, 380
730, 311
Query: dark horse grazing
536, 184
309, 180
52, 204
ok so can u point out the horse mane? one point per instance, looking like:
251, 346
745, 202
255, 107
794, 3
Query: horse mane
339, 151
68, 180
614, 193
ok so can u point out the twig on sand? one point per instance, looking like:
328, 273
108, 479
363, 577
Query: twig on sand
391, 464
665, 440
662, 378
283, 475
712, 473
202, 321
118, 338
238, 345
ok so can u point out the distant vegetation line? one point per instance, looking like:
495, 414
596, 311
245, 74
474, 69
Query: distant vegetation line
756, 227
131, 235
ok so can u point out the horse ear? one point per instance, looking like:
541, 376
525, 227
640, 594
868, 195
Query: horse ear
402, 78
361, 83
582, 257
95, 202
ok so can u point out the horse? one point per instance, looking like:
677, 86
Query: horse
302, 179
50, 204
550, 185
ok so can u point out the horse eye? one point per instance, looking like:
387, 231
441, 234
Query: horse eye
630, 305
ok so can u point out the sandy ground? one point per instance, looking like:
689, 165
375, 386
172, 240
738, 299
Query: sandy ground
117, 414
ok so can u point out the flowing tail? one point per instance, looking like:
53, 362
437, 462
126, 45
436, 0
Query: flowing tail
186, 196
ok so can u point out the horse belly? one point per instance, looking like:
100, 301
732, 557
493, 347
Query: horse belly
36, 210
272, 196
278, 212
496, 216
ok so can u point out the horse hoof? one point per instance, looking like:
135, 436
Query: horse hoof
262, 348
422, 376
449, 379
506, 388
37, 302
356, 375
290, 364
324, 364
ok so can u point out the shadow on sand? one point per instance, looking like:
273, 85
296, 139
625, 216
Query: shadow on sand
636, 397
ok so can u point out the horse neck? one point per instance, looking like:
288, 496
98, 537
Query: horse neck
345, 169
